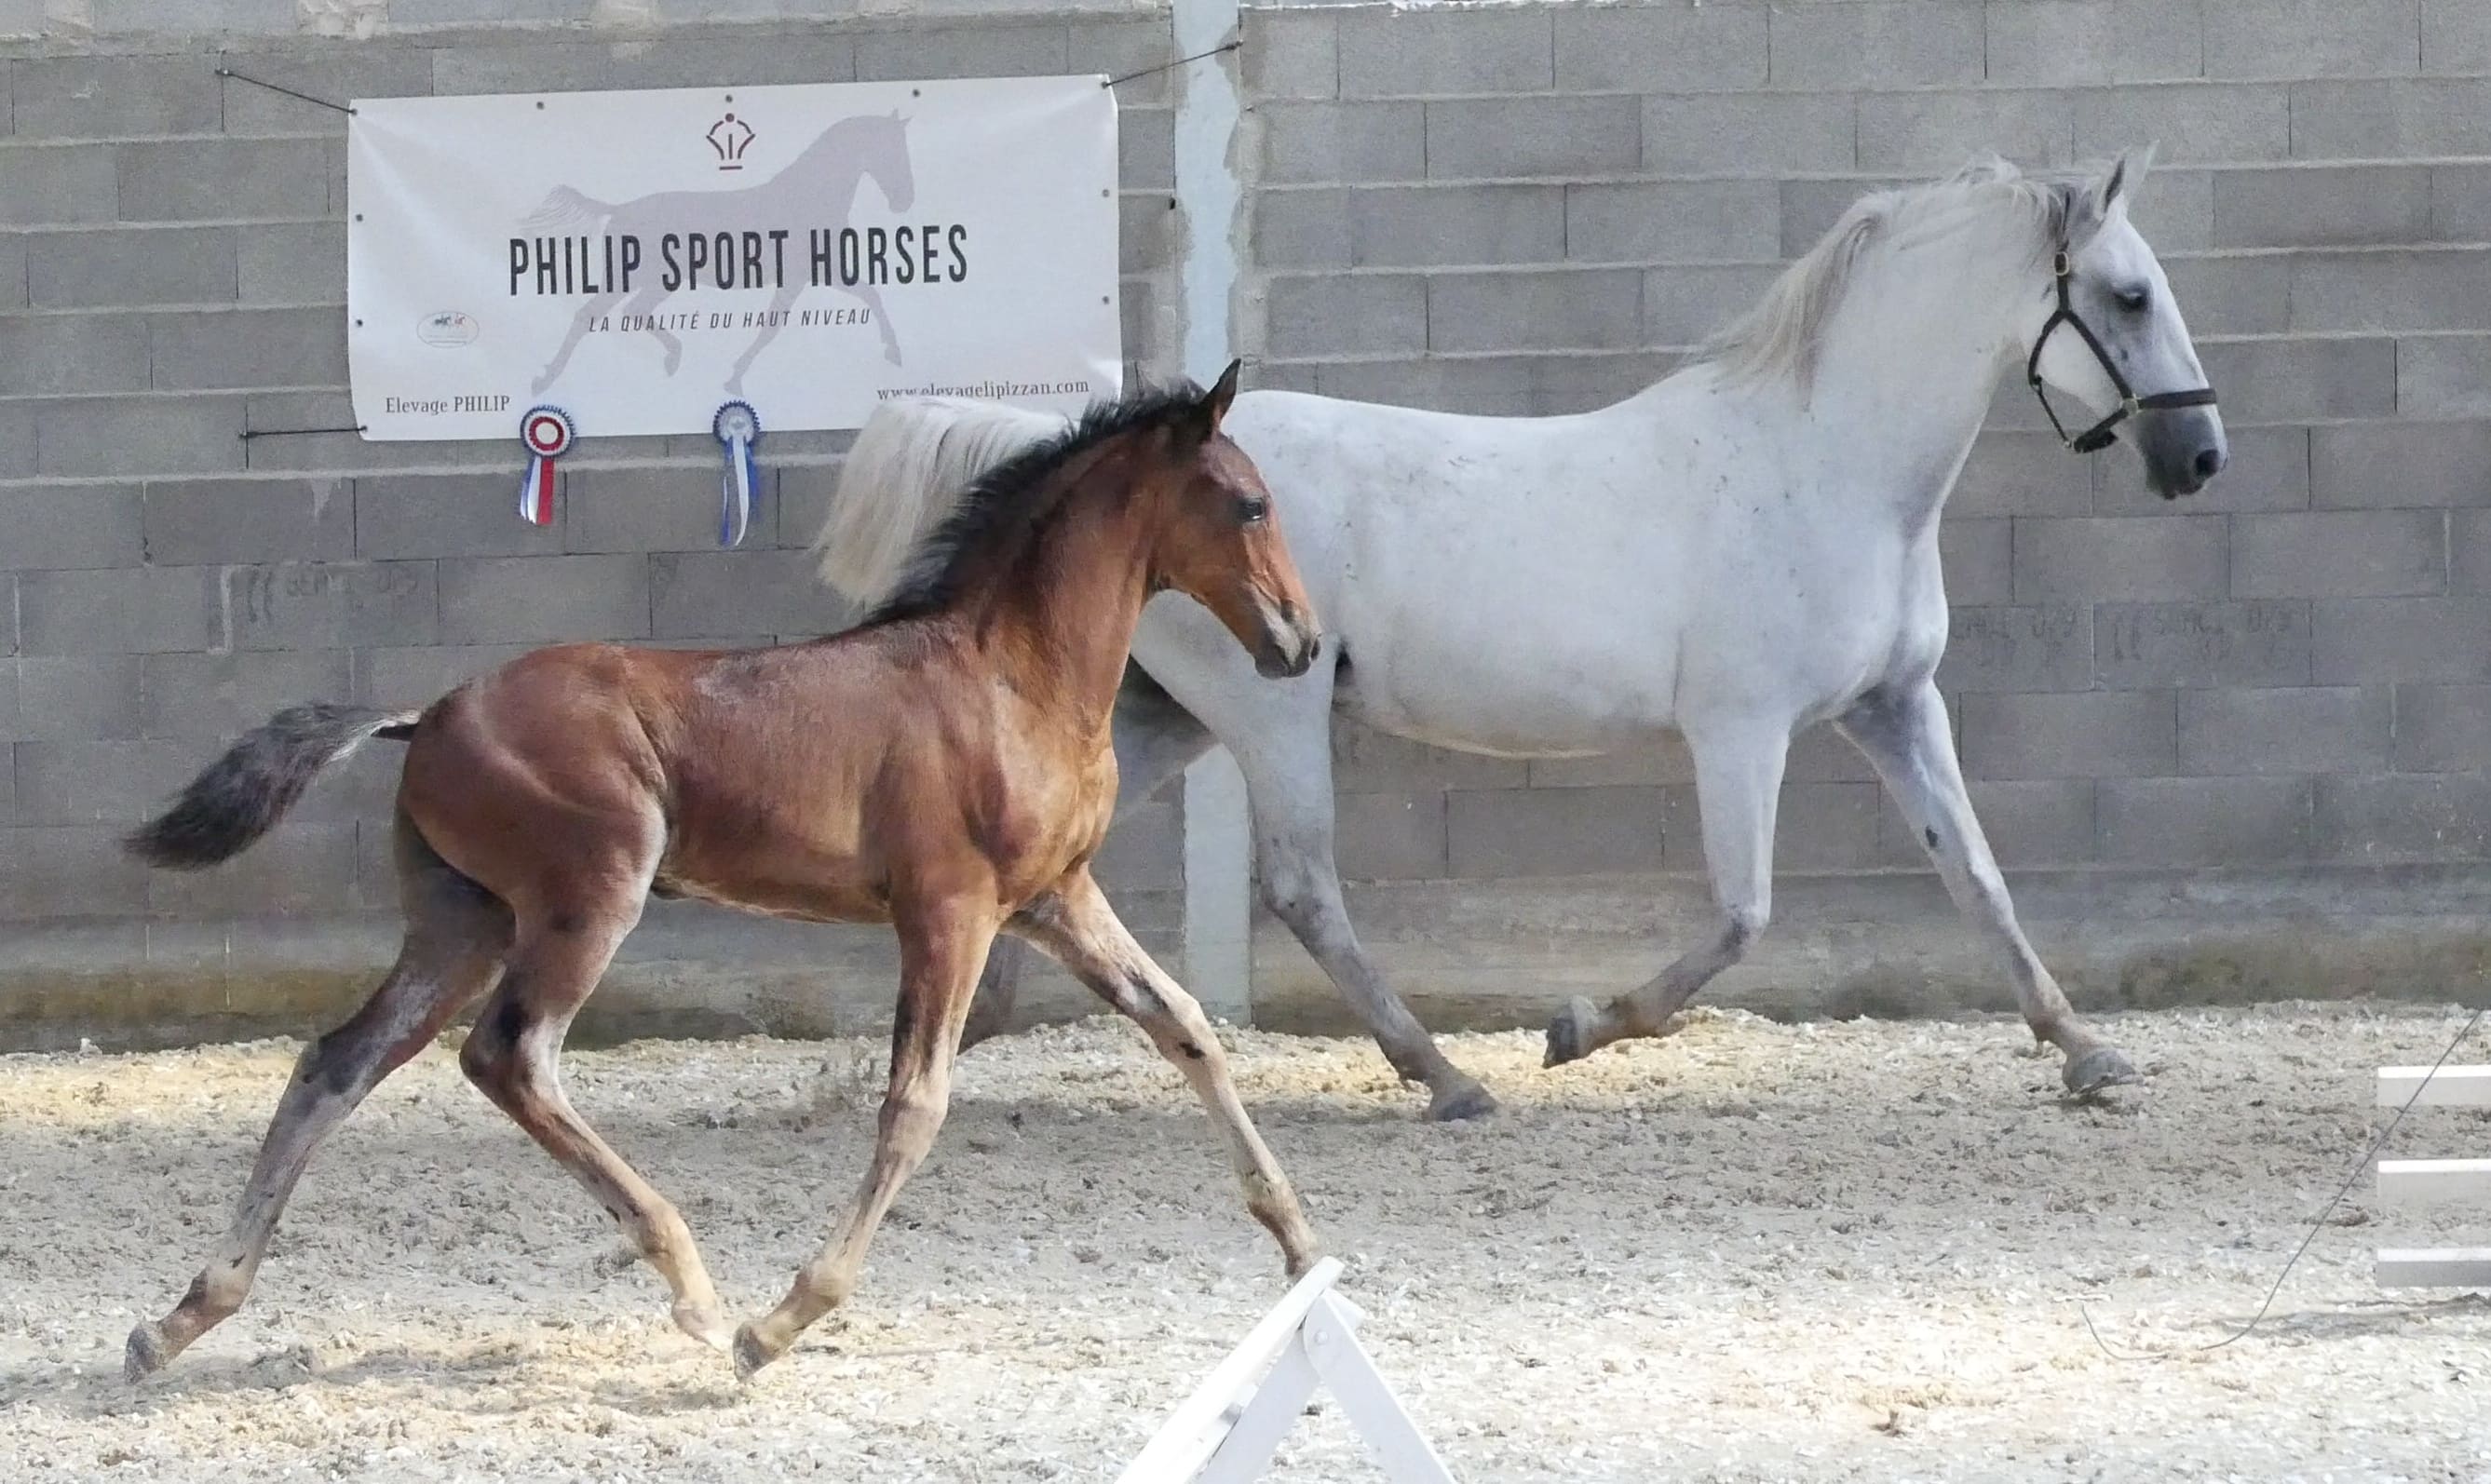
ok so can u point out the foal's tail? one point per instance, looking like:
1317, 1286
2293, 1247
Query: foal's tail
911, 463
241, 796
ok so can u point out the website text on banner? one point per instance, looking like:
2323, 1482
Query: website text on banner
637, 257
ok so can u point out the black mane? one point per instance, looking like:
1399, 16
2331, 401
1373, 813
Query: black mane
1008, 500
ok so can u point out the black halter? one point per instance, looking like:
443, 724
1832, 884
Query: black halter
2099, 435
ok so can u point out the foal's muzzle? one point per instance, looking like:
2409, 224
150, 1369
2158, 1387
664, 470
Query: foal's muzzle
1291, 642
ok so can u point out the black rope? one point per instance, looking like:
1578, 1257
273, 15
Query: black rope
2360, 1168
227, 72
1228, 45
249, 433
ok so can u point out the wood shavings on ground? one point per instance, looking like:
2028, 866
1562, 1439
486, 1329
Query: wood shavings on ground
1751, 1252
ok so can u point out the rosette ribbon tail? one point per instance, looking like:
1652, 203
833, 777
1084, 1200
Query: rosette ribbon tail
738, 430
536, 491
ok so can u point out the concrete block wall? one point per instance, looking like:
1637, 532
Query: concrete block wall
172, 276
1513, 208
1535, 209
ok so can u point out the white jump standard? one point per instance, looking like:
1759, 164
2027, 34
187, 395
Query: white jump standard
1227, 1430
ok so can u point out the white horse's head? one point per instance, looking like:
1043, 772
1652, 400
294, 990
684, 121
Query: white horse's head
2104, 328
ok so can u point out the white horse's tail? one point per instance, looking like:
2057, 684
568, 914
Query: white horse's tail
564, 205
911, 464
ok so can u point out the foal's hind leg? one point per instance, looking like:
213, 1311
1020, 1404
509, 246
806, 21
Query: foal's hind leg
1905, 736
1738, 788
1156, 739
1077, 926
511, 1056
941, 950
456, 935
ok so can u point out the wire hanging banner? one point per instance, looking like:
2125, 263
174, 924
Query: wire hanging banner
223, 71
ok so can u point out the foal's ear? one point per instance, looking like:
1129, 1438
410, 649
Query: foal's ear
1196, 422
1215, 402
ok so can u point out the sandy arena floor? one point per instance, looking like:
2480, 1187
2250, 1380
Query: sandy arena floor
1752, 1252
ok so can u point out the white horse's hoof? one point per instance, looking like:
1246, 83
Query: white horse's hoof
1569, 1035
1459, 1099
146, 1353
2096, 1069
752, 1353
703, 1323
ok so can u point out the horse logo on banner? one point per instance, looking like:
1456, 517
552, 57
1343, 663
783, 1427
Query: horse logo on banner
820, 184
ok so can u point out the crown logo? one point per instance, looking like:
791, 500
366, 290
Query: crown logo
729, 137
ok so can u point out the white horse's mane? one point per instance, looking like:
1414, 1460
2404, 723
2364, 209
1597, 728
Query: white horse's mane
1783, 333
912, 464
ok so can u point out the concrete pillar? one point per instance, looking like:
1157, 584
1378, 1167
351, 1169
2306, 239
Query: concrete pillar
1218, 889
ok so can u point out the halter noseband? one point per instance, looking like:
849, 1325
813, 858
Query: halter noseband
2100, 435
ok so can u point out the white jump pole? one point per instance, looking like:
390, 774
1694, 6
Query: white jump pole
1227, 1430
2411, 1184
2451, 1087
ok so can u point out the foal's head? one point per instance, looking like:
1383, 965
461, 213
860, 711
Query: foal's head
939, 504
1216, 535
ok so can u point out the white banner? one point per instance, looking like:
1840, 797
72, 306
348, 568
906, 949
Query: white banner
638, 259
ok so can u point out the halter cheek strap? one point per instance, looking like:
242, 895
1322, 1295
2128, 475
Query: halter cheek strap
2100, 435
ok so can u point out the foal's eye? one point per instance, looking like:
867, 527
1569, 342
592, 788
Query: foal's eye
2133, 300
1251, 509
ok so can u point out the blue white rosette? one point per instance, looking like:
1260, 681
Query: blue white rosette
738, 429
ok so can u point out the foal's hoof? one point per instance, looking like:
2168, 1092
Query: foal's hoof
1569, 1035
752, 1353
2096, 1069
1460, 1099
703, 1323
146, 1353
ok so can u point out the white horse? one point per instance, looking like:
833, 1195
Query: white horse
1743, 550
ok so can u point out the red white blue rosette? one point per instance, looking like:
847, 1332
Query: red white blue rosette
738, 429
548, 434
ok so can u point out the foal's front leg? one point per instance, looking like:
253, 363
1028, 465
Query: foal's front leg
941, 949
1905, 736
1154, 740
1075, 925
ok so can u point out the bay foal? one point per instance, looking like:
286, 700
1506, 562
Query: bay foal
946, 768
